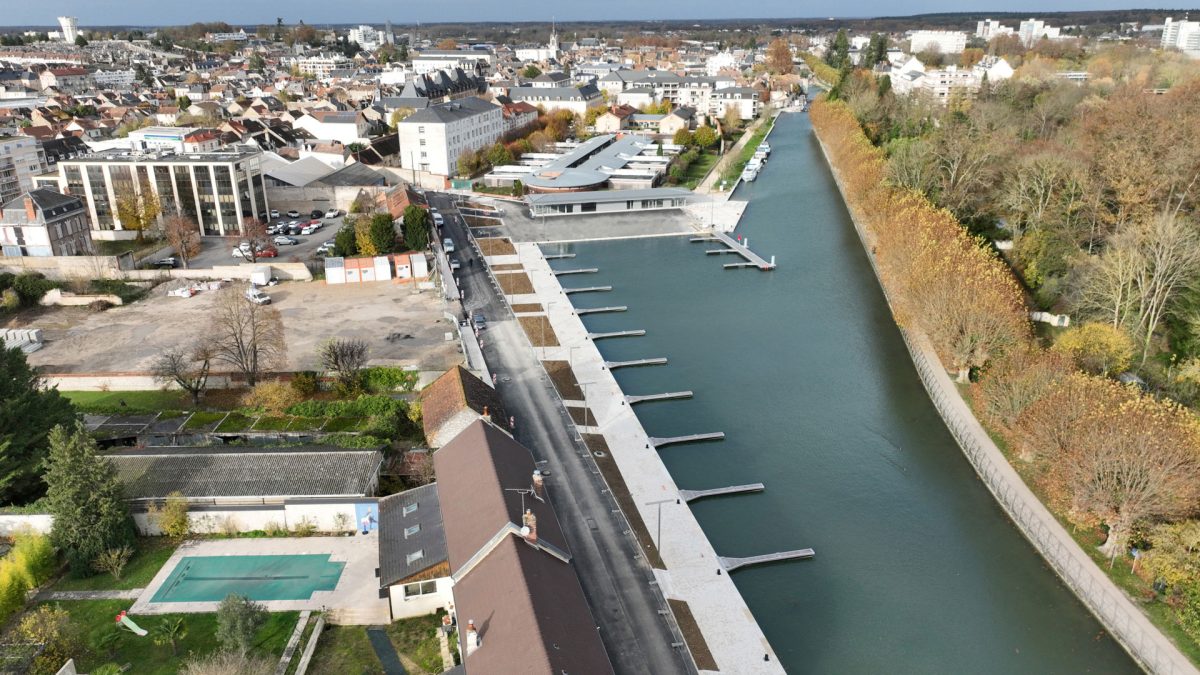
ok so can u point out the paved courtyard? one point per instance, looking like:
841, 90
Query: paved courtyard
356, 595
127, 339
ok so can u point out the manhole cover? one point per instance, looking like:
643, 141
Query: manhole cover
506, 379
598, 453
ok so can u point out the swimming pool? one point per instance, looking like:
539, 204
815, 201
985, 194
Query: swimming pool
257, 577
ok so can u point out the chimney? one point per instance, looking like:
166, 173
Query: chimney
539, 485
30, 209
530, 522
473, 640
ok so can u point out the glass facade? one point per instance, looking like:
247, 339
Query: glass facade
209, 220
166, 190
100, 203
226, 199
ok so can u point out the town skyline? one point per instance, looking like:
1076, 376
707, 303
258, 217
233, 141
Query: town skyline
145, 13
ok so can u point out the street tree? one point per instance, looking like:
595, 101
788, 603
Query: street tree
85, 498
138, 210
254, 232
416, 228
183, 235
28, 411
186, 368
246, 335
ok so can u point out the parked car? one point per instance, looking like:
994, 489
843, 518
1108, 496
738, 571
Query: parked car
478, 320
326, 248
317, 223
316, 213
437, 219
253, 294
448, 244
332, 213
243, 251
454, 264
274, 213
294, 228
293, 214
284, 241
166, 263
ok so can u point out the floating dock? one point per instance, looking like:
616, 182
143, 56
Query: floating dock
587, 289
616, 334
691, 438
740, 248
731, 564
668, 396
581, 270
693, 495
613, 365
598, 310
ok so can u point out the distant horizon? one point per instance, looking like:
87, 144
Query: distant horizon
146, 14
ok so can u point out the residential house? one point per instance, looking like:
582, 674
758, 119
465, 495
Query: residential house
434, 138
414, 570
575, 99
453, 402
42, 223
343, 127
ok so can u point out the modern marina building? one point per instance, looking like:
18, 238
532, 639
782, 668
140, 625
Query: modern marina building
607, 161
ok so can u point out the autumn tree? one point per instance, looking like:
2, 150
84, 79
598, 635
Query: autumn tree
186, 368
779, 57
705, 137
1015, 382
246, 335
183, 236
1097, 348
138, 210
447, 43
254, 232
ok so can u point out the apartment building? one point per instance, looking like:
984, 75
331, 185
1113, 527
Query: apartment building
321, 66
42, 223
1182, 35
19, 163
943, 41
1032, 30
215, 189
432, 139
991, 28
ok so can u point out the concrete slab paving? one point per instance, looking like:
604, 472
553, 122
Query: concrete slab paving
693, 572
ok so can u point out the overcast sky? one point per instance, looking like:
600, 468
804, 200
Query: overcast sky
171, 12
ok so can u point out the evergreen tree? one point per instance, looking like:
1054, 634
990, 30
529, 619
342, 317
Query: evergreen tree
876, 50
28, 411
85, 498
416, 228
885, 85
839, 53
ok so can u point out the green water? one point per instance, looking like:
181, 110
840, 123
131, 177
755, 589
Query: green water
917, 569
257, 577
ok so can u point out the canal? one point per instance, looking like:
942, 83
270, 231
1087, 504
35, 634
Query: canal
917, 569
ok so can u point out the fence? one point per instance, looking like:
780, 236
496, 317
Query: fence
1128, 624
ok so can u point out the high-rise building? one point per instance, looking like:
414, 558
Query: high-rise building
943, 41
20, 161
1183, 35
1033, 30
216, 189
990, 28
70, 27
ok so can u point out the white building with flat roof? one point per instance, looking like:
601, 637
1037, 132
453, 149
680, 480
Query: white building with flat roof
70, 28
1033, 30
1182, 35
944, 41
321, 65
991, 28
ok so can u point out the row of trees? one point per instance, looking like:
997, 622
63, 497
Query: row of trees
1102, 453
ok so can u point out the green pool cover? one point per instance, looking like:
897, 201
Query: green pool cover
258, 577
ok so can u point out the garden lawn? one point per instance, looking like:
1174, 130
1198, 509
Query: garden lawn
345, 650
94, 618
698, 169
151, 554
417, 639
153, 400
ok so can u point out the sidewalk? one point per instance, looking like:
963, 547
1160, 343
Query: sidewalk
693, 573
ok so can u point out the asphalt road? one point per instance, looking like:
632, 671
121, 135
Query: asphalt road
615, 579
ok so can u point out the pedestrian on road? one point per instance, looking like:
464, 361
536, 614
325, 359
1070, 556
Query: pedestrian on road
512, 424
494, 378
462, 294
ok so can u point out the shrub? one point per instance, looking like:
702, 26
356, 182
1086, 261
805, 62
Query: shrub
355, 441
274, 529
99, 305
113, 561
31, 286
273, 396
172, 517
34, 553
13, 585
10, 300
384, 379
51, 628
308, 409
305, 383
305, 528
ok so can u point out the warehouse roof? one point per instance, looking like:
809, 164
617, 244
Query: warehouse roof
238, 471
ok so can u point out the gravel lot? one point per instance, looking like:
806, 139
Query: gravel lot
127, 339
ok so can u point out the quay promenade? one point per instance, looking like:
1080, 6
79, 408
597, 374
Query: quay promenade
694, 572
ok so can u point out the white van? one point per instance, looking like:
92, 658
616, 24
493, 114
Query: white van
448, 245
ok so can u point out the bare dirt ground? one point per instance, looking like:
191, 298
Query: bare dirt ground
127, 339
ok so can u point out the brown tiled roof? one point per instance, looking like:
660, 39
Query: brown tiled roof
454, 391
531, 615
478, 472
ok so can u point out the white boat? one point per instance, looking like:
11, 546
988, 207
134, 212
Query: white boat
764, 147
749, 174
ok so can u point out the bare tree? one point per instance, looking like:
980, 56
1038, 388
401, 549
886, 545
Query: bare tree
183, 235
347, 358
246, 335
186, 367
254, 232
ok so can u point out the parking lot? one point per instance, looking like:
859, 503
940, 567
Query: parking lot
219, 250
127, 339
